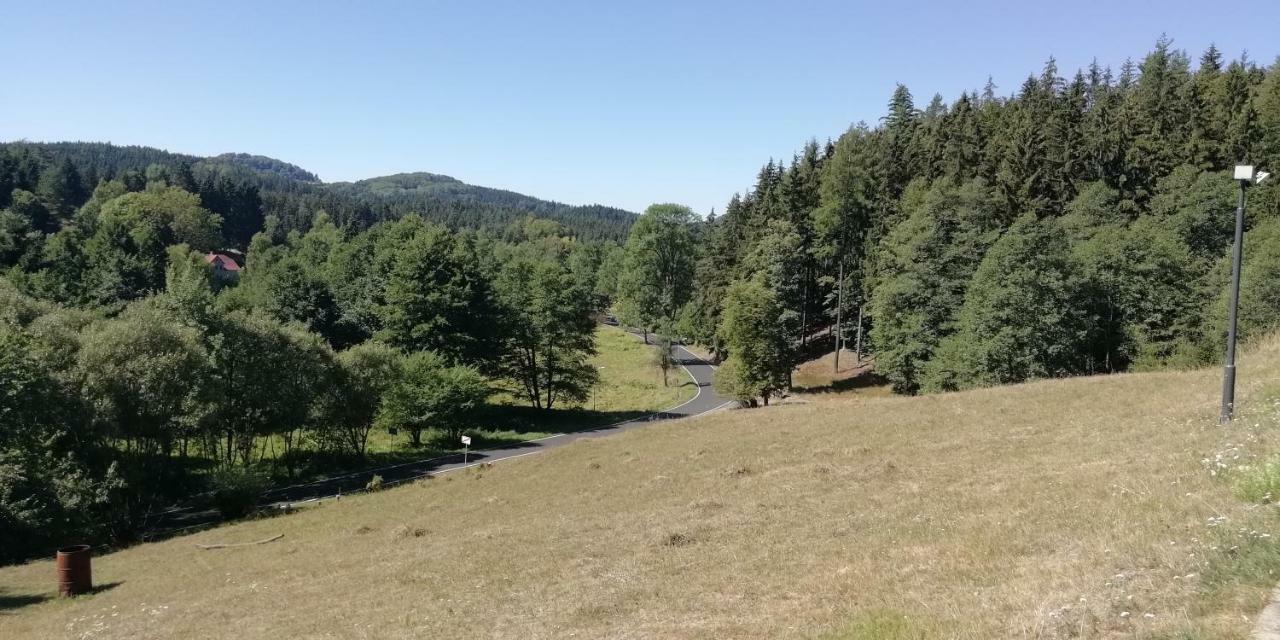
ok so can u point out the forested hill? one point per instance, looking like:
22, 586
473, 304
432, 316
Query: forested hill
254, 192
1080, 222
404, 191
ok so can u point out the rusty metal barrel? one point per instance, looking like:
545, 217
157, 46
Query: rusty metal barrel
75, 575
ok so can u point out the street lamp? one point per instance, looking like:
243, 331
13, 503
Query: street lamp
1246, 176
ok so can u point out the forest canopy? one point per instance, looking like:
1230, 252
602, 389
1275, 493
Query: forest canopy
1077, 224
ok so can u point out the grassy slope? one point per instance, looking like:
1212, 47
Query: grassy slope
1045, 510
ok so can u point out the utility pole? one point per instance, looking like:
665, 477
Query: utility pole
1245, 176
839, 309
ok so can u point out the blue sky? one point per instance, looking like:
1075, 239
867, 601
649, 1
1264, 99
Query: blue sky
618, 103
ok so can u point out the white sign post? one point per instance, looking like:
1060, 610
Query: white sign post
466, 448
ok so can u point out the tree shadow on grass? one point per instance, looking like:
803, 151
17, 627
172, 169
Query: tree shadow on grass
10, 603
865, 380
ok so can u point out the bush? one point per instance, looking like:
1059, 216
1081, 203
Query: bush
375, 484
236, 491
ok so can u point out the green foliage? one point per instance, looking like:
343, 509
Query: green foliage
1259, 287
1131, 167
759, 359
664, 357
438, 300
657, 271
549, 324
928, 261
431, 394
847, 191
1199, 207
610, 271
352, 402
297, 292
166, 216
773, 261
51, 487
1140, 295
149, 379
268, 375
1021, 318
236, 491
63, 188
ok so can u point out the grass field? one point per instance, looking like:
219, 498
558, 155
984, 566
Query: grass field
1099, 507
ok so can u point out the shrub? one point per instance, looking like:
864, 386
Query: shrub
236, 491
374, 484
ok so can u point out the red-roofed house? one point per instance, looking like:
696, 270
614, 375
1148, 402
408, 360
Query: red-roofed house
223, 267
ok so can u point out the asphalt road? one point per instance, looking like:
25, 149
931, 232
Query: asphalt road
177, 520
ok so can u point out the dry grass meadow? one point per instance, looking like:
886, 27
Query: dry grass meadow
1093, 507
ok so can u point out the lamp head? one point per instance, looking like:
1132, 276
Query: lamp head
1244, 172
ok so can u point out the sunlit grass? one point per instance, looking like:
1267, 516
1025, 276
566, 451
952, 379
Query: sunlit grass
1096, 507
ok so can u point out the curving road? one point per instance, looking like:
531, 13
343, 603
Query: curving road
705, 401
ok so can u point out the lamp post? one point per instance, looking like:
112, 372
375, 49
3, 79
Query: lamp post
1246, 176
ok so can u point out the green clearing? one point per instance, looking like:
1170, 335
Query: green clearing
630, 386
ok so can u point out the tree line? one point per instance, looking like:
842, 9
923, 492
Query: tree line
132, 373
1078, 225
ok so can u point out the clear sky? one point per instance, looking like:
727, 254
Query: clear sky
618, 103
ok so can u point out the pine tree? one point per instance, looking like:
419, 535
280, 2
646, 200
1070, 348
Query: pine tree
62, 189
901, 157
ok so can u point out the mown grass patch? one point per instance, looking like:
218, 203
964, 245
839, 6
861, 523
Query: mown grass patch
879, 624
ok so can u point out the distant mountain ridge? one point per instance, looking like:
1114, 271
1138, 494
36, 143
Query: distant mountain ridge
294, 195
434, 185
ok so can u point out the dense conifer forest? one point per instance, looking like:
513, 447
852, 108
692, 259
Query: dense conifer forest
1079, 223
